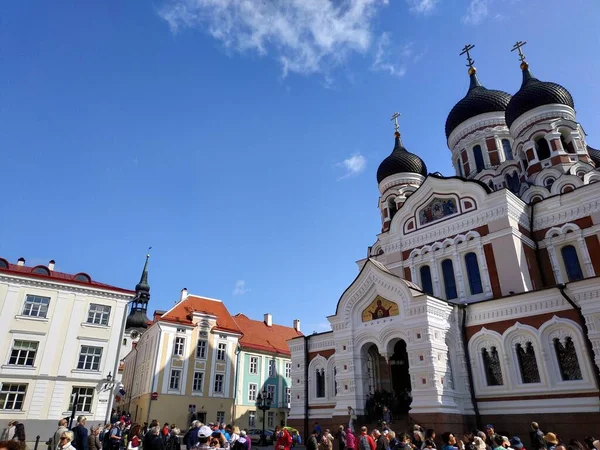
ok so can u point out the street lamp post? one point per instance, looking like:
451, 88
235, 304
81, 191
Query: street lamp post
263, 402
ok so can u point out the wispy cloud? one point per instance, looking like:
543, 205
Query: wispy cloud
240, 288
394, 59
353, 165
305, 36
477, 11
422, 6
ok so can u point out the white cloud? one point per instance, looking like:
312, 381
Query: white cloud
305, 36
422, 6
240, 288
394, 59
353, 165
477, 11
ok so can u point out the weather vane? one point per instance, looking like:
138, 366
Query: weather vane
466, 49
517, 47
148, 254
395, 119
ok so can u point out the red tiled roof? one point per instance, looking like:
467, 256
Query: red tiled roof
259, 336
61, 277
182, 313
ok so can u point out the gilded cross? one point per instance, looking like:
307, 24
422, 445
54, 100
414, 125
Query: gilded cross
466, 49
517, 47
395, 119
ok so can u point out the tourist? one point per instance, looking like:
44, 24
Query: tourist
350, 440
80, 432
341, 437
115, 436
284, 440
204, 436
133, 438
62, 427
429, 441
242, 442
191, 437
537, 437
417, 437
551, 441
387, 415
449, 441
94, 442
10, 445
497, 442
490, 434
381, 442
149, 436
20, 434
351, 419
9, 432
156, 441
66, 439
325, 443
312, 443
393, 442
319, 430
364, 441
516, 444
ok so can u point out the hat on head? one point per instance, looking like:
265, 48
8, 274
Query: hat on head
551, 438
505, 439
242, 432
205, 432
489, 426
515, 442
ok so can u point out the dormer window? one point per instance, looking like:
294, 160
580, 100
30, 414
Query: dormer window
41, 270
3, 264
82, 277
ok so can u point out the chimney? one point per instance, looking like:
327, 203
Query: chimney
21, 261
268, 320
51, 265
297, 325
183, 295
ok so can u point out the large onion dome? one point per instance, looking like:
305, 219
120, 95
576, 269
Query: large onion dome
400, 161
479, 100
534, 93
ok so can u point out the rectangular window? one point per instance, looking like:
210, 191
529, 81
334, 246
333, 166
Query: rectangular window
288, 395
251, 419
271, 391
219, 383
221, 349
23, 353
89, 358
221, 417
98, 314
252, 391
84, 402
201, 349
175, 379
272, 371
288, 369
12, 396
36, 306
197, 383
253, 365
178, 346
270, 419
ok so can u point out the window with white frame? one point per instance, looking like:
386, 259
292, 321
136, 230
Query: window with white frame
566, 356
571, 262
251, 418
98, 314
36, 306
221, 351
201, 349
197, 382
218, 388
252, 392
221, 416
89, 358
12, 396
270, 419
288, 369
271, 391
288, 395
23, 353
528, 368
84, 400
175, 379
253, 365
272, 368
178, 346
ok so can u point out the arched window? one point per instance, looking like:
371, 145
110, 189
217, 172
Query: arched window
567, 359
548, 182
508, 155
449, 281
392, 207
512, 182
572, 266
426, 282
460, 168
567, 146
542, 148
478, 155
527, 363
334, 379
449, 374
491, 366
320, 383
3, 264
473, 273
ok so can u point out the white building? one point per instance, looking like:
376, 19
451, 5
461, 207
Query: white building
60, 336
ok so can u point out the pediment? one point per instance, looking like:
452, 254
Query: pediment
380, 308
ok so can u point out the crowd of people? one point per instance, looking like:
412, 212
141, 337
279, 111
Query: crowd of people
384, 438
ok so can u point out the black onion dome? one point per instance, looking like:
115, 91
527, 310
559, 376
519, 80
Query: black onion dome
136, 319
534, 93
400, 160
479, 100
594, 155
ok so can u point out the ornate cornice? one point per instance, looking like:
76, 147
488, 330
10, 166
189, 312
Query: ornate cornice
554, 217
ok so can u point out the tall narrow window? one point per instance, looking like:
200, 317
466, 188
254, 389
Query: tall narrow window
567, 146
572, 266
197, 382
253, 365
178, 346
426, 283
251, 418
288, 369
333, 379
272, 368
542, 148
252, 392
460, 168
271, 392
478, 155
85, 399
175, 379
513, 183
320, 383
449, 280
201, 349
221, 349
218, 383
527, 363
491, 365
392, 207
473, 273
567, 359
508, 155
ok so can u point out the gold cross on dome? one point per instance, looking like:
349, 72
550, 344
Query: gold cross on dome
466, 49
395, 119
517, 47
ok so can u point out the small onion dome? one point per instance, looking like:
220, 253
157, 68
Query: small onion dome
594, 155
534, 93
136, 319
401, 160
478, 100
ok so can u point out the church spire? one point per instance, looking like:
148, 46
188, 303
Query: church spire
143, 286
137, 316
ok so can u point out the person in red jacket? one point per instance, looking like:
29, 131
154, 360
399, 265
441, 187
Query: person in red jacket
284, 440
364, 440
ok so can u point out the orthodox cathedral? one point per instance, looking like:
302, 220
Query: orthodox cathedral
479, 301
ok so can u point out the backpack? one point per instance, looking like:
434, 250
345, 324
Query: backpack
363, 443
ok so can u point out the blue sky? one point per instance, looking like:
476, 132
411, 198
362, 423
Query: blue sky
241, 142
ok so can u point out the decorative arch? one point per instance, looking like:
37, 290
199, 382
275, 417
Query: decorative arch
534, 192
317, 366
488, 340
331, 388
522, 345
563, 181
592, 176
550, 172
579, 169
